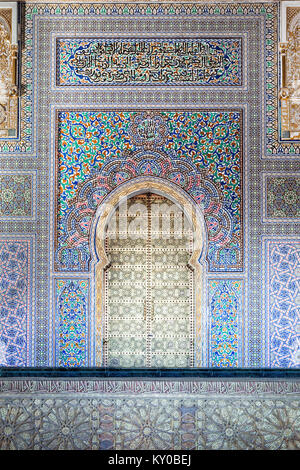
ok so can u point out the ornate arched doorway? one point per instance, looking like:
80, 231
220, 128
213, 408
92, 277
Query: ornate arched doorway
149, 285
149, 278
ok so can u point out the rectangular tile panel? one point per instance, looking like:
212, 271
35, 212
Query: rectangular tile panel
148, 61
282, 292
15, 302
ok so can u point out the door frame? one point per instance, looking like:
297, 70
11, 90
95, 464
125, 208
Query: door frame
195, 214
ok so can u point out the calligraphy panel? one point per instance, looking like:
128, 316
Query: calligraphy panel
96, 61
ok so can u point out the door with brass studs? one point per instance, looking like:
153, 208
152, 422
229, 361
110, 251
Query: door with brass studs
148, 319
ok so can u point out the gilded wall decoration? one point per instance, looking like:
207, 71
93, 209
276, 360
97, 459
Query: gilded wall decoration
8, 72
290, 74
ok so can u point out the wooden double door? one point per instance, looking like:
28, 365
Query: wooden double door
149, 285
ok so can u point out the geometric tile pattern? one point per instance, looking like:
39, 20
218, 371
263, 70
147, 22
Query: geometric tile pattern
148, 61
154, 424
283, 197
283, 302
225, 299
14, 302
239, 416
72, 302
15, 195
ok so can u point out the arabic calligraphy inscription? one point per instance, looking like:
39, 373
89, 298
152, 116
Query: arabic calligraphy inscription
214, 61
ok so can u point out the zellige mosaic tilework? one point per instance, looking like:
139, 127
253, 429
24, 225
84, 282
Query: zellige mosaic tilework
88, 142
225, 322
236, 209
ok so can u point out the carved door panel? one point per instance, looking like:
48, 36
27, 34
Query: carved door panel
149, 286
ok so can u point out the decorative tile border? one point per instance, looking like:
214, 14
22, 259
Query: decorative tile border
255, 388
140, 415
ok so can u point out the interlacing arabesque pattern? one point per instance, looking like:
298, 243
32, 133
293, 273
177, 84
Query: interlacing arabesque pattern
149, 423
225, 319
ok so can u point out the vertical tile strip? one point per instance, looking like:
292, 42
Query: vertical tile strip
225, 322
71, 323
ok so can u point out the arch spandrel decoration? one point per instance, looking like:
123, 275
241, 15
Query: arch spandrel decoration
225, 247
197, 262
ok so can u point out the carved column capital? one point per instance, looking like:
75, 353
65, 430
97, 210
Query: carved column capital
283, 47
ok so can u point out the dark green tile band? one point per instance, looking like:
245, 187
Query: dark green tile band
151, 373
